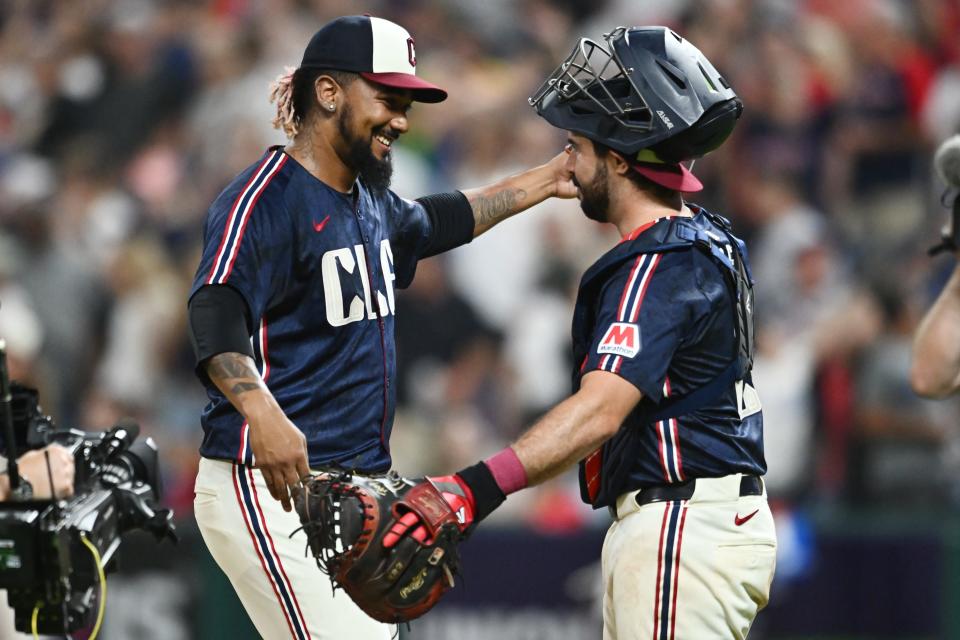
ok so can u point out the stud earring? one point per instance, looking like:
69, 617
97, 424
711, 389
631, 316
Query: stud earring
331, 107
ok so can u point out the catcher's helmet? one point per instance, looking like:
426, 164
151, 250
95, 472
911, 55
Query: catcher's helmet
647, 89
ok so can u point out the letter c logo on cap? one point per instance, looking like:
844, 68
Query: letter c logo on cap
411, 53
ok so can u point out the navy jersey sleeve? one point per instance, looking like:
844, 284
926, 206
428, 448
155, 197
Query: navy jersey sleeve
248, 239
644, 314
410, 235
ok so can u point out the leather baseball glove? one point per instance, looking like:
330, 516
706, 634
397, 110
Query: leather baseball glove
346, 518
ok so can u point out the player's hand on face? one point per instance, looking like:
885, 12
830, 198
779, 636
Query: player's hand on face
280, 452
33, 466
561, 166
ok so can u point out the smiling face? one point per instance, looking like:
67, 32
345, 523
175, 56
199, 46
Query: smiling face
370, 121
590, 177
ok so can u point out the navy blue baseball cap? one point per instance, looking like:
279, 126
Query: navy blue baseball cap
379, 50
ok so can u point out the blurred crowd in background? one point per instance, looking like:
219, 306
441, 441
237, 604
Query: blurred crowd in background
121, 120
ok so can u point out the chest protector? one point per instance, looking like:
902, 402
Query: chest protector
716, 240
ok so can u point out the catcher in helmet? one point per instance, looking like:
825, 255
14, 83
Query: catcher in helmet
664, 418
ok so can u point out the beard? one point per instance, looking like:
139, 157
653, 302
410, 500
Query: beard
374, 173
595, 196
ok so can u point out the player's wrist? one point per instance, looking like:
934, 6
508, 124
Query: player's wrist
537, 184
549, 180
459, 496
262, 412
483, 489
508, 472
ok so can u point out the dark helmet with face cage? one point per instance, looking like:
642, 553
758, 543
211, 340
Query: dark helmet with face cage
648, 88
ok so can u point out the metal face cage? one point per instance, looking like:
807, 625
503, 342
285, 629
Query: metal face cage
596, 73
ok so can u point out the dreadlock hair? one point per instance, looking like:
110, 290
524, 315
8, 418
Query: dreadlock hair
294, 93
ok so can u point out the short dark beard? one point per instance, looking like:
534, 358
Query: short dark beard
595, 197
374, 173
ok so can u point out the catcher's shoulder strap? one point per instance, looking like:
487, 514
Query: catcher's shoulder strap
729, 253
713, 236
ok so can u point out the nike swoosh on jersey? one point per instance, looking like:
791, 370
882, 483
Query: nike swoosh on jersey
737, 520
318, 226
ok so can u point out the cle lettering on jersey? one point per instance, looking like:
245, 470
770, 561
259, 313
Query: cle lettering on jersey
621, 339
353, 263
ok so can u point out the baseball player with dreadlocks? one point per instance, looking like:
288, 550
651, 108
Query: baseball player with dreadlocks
664, 417
292, 311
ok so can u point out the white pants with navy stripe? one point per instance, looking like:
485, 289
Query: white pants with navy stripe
688, 569
284, 593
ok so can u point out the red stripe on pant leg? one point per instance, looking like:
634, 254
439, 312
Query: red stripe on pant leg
656, 595
676, 563
256, 547
266, 531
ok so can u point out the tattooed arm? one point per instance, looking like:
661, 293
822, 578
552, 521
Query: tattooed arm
279, 447
509, 196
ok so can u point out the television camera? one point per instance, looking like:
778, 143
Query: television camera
54, 553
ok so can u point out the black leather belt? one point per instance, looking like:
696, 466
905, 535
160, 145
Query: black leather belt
749, 486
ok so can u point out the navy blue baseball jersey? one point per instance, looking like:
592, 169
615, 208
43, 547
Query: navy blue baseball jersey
317, 269
666, 323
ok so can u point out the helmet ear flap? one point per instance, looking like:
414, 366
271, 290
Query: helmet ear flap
705, 135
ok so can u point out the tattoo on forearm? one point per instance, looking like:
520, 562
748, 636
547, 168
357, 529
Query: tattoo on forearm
240, 387
229, 365
490, 209
234, 366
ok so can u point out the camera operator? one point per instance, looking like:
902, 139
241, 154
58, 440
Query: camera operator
33, 468
935, 372
63, 510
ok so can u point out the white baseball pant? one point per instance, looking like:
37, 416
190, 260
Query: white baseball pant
688, 569
281, 588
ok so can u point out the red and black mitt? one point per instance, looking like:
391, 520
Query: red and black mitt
346, 518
